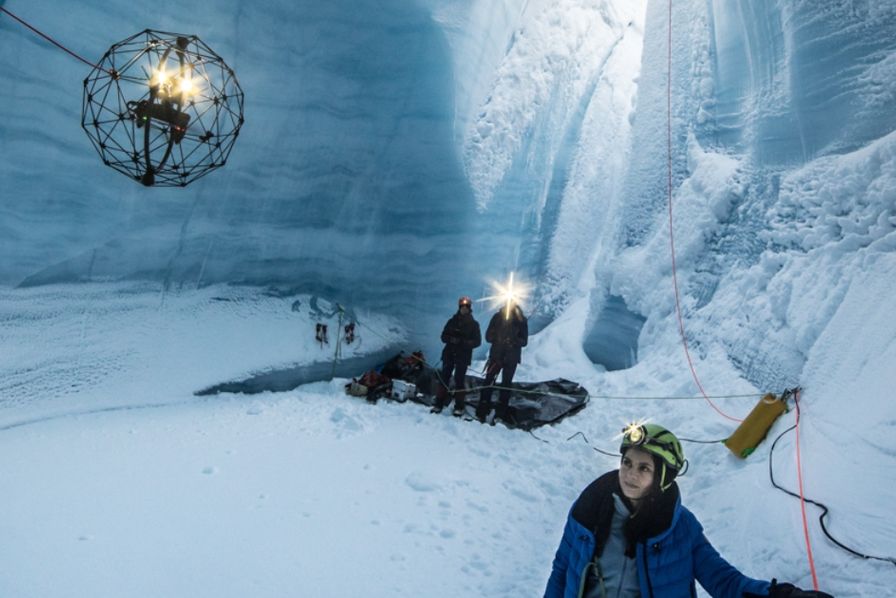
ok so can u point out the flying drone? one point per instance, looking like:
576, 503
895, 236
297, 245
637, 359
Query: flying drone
162, 108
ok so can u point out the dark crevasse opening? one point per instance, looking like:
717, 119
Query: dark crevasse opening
613, 339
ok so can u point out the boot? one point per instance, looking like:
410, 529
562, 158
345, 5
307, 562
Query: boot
441, 399
502, 409
460, 399
484, 406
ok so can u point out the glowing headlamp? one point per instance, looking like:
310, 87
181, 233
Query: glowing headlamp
634, 434
508, 294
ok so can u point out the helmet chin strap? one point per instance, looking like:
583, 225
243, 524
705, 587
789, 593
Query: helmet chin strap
663, 485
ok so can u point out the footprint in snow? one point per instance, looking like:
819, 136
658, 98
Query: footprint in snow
476, 564
421, 482
346, 421
520, 493
477, 506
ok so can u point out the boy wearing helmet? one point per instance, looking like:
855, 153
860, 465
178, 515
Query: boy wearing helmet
461, 335
628, 535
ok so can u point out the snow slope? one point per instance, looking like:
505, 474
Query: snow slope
120, 482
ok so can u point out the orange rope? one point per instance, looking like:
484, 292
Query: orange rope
684, 339
799, 476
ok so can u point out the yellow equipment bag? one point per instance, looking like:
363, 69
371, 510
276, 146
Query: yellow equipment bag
755, 427
356, 389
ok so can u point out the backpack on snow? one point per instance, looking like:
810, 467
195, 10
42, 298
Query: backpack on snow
371, 385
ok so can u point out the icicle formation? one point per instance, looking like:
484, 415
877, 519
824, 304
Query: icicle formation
162, 108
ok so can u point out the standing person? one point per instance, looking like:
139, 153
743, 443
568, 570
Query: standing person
508, 332
461, 335
628, 534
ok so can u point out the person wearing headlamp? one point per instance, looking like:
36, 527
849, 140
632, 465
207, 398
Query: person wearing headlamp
508, 333
461, 335
628, 535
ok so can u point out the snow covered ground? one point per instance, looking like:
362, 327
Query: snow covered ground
117, 481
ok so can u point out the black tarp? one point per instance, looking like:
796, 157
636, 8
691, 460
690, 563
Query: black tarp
532, 404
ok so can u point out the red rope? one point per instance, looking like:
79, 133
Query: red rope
684, 339
799, 467
50, 39
799, 476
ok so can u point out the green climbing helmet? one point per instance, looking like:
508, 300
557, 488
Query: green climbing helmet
658, 441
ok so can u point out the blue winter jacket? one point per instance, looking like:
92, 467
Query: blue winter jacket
668, 564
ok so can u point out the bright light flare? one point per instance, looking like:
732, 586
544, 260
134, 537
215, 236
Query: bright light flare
186, 85
633, 430
168, 85
159, 78
508, 294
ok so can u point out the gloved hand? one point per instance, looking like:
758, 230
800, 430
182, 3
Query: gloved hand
798, 593
788, 590
454, 340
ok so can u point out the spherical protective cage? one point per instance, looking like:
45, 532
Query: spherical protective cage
162, 108
656, 440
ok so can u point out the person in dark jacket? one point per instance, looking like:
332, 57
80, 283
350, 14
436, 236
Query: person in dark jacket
508, 333
628, 534
461, 335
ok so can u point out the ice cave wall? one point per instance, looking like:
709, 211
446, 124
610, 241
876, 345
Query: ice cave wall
397, 154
